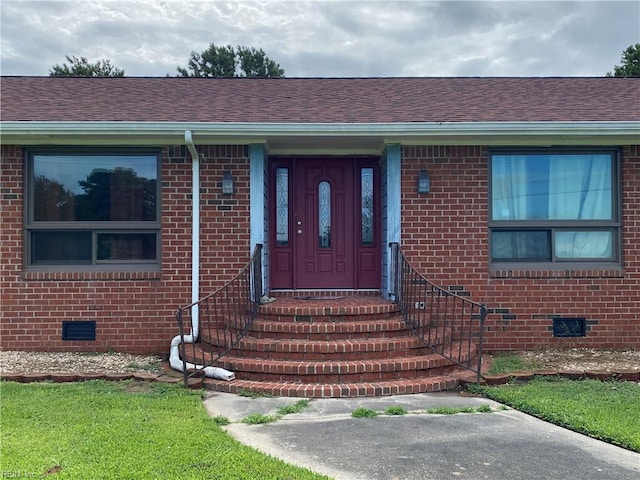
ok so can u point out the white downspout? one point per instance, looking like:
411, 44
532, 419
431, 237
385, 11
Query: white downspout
174, 352
195, 231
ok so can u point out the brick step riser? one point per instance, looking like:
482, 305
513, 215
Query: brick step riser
322, 318
346, 378
435, 339
330, 337
364, 323
350, 390
332, 357
339, 344
323, 293
322, 366
388, 327
326, 331
425, 362
250, 345
210, 337
258, 366
331, 328
291, 366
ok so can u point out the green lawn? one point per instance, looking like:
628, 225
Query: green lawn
609, 411
510, 363
122, 430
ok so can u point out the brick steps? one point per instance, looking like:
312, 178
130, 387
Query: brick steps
344, 309
347, 346
344, 350
322, 331
336, 371
333, 350
371, 328
332, 390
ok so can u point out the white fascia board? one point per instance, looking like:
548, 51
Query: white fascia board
220, 133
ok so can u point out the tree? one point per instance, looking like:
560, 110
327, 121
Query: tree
80, 67
227, 61
255, 63
630, 63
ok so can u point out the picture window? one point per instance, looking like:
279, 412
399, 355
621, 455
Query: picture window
92, 208
554, 207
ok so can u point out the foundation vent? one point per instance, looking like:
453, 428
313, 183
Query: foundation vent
569, 327
79, 330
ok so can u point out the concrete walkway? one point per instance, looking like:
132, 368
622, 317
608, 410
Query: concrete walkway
504, 444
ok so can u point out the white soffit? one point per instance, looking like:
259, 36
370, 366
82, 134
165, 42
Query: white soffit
366, 137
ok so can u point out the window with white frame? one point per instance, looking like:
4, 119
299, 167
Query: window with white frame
93, 209
554, 207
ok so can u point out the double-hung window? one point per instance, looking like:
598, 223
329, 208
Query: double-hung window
554, 207
92, 209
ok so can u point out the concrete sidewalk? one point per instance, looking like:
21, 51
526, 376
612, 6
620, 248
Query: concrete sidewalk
505, 444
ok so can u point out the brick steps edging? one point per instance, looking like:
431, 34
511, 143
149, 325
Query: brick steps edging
336, 350
292, 367
371, 389
384, 328
343, 309
632, 375
336, 390
282, 389
83, 377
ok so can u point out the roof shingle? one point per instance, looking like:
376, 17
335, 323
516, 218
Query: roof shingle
319, 100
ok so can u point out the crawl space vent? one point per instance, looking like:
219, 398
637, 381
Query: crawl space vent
569, 327
80, 330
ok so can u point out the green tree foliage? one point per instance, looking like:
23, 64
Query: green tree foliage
228, 61
255, 63
630, 63
81, 67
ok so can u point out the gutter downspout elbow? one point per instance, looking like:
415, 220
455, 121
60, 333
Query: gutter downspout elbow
174, 352
188, 141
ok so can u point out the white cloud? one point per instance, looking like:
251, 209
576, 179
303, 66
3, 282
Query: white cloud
326, 38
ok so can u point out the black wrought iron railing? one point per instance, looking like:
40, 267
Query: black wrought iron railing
448, 323
221, 318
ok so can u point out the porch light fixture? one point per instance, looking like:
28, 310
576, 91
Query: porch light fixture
424, 182
228, 187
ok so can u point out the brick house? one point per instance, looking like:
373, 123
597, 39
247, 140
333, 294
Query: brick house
522, 193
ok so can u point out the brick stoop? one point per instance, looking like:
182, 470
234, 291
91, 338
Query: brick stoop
332, 346
335, 390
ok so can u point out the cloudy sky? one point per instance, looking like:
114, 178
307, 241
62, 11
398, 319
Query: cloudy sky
341, 38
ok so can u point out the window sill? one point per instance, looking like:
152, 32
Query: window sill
108, 275
591, 271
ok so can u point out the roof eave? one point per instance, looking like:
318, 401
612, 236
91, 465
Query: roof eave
366, 135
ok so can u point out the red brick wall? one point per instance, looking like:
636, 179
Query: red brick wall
445, 235
134, 311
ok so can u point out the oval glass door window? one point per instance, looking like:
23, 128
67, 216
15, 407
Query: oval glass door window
324, 214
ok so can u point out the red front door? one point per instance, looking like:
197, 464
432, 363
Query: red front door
324, 222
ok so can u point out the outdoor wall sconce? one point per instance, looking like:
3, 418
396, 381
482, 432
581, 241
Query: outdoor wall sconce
228, 187
424, 182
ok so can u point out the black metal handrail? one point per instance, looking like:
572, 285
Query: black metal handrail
223, 318
448, 323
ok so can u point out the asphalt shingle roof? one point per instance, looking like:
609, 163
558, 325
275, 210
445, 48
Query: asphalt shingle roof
319, 100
